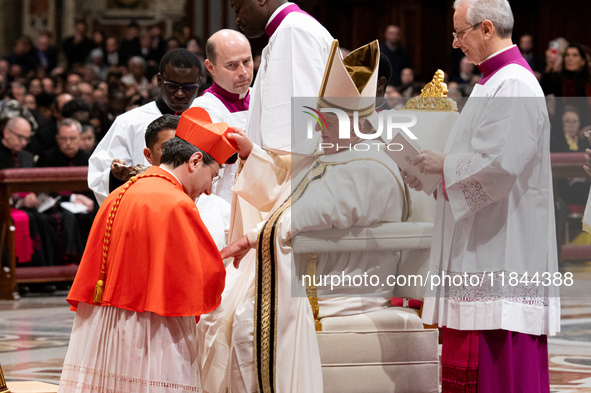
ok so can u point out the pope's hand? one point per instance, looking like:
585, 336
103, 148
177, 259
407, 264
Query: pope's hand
121, 171
238, 250
243, 144
430, 161
412, 181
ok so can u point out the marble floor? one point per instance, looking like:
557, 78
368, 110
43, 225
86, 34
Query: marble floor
34, 333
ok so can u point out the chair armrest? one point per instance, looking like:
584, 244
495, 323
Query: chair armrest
378, 237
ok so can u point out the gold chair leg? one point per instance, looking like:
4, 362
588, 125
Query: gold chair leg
3, 387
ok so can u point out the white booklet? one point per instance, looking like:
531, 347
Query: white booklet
46, 202
404, 158
74, 207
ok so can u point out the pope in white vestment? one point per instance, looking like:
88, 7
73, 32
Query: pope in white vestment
265, 327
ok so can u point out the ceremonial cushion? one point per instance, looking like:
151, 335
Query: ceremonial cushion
386, 350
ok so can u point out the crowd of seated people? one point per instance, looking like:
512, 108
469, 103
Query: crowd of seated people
52, 228
56, 103
110, 74
102, 76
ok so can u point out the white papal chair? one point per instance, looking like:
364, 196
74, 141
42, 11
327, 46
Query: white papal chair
387, 350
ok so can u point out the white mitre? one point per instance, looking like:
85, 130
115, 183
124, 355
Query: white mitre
350, 83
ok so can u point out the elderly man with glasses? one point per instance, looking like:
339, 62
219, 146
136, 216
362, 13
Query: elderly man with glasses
494, 224
15, 137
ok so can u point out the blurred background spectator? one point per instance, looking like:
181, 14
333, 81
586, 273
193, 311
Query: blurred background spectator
398, 56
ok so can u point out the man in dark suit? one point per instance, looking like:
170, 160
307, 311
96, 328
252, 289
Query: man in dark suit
398, 56
46, 53
73, 226
67, 152
16, 134
77, 47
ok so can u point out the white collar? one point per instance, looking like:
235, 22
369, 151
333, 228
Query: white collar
173, 175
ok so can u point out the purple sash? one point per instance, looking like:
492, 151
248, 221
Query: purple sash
274, 24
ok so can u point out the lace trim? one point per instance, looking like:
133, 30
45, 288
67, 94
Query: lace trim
476, 197
120, 378
463, 166
503, 286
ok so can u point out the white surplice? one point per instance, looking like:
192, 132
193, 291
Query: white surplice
352, 189
125, 140
499, 220
147, 352
292, 65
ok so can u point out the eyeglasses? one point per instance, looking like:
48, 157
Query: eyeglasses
216, 177
458, 35
20, 137
187, 88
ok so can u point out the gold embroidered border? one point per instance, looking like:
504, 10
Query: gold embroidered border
312, 289
266, 280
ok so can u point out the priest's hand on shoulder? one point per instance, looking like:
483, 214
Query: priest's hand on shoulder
243, 144
238, 250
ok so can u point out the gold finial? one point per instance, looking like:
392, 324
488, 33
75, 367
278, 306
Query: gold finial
435, 88
433, 97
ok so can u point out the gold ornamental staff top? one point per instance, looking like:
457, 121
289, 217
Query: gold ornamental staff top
433, 97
